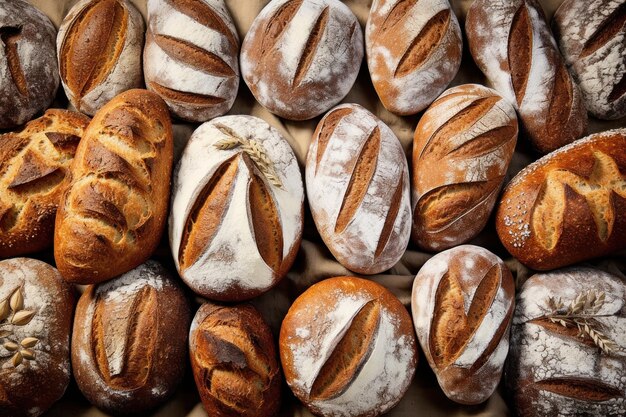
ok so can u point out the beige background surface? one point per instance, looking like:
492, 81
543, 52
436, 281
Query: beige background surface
314, 262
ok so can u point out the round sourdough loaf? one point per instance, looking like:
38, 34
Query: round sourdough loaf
237, 209
347, 348
301, 57
36, 308
29, 77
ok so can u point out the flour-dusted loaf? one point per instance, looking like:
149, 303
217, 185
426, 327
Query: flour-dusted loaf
462, 148
235, 361
567, 345
512, 44
36, 308
301, 57
191, 57
462, 303
129, 343
413, 51
29, 77
237, 209
357, 182
592, 37
568, 206
347, 348
99, 48
113, 211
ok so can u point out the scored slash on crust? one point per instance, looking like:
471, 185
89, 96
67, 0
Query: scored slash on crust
9, 37
609, 28
520, 41
276, 25
305, 61
580, 389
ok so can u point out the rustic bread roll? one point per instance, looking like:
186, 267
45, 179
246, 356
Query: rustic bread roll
568, 206
357, 182
113, 211
462, 148
33, 164
567, 345
29, 77
462, 303
36, 308
347, 348
191, 57
512, 44
592, 39
129, 344
234, 361
237, 209
99, 47
301, 57
414, 50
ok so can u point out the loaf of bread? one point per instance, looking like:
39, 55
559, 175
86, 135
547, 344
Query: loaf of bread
347, 348
29, 77
191, 57
414, 50
33, 164
234, 361
99, 48
113, 211
568, 206
129, 343
462, 303
237, 209
461, 151
357, 182
567, 345
592, 37
36, 308
512, 44
301, 57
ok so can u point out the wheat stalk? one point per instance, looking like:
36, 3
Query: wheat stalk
12, 313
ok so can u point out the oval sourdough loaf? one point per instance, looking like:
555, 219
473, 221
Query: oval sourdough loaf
512, 44
301, 57
414, 50
99, 49
29, 77
129, 344
191, 57
567, 345
237, 209
113, 211
357, 182
462, 303
347, 348
234, 361
462, 148
592, 37
568, 206
33, 164
36, 308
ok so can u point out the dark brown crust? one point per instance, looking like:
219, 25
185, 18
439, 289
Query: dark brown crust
520, 51
178, 96
9, 37
580, 389
390, 219
194, 56
610, 27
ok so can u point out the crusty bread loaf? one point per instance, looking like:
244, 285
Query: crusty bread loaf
567, 345
29, 77
112, 214
592, 37
301, 57
413, 51
462, 303
462, 148
234, 361
33, 164
99, 49
512, 44
347, 348
237, 209
129, 343
191, 57
357, 181
36, 308
568, 206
